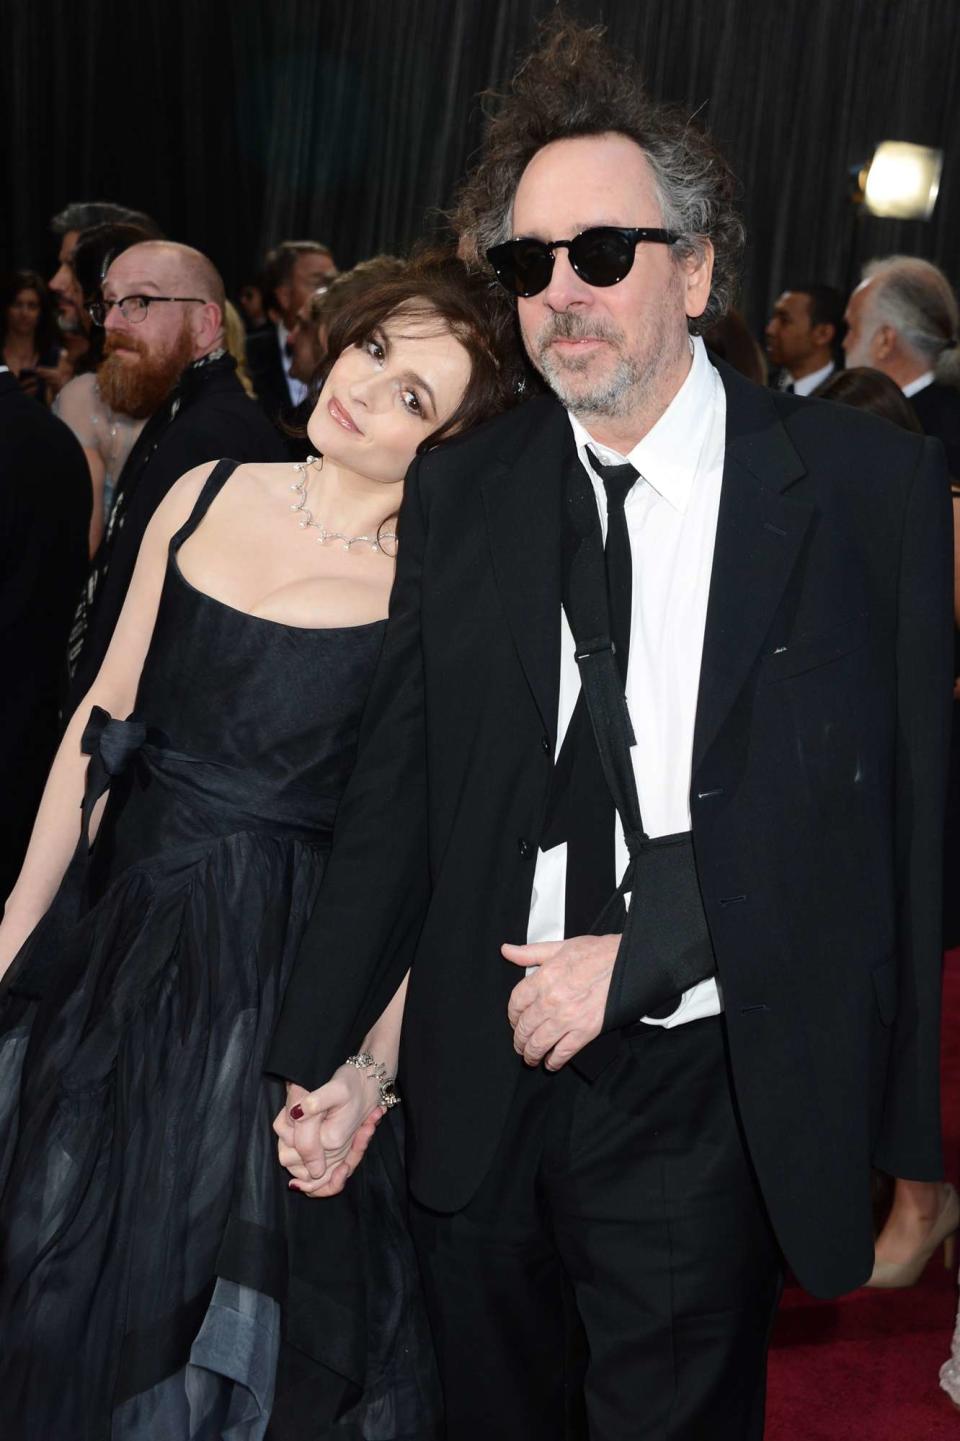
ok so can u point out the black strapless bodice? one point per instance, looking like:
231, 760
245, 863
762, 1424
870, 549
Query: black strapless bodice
251, 725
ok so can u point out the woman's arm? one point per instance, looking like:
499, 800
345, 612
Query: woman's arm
57, 827
323, 1134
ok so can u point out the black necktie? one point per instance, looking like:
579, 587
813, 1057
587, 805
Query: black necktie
618, 481
583, 813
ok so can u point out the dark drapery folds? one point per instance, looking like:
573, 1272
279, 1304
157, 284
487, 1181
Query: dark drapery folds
352, 120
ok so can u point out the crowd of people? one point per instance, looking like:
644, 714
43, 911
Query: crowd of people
297, 766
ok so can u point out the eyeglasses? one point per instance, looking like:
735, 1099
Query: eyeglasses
134, 307
601, 256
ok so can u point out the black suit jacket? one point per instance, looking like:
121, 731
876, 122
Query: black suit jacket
208, 416
938, 411
45, 500
817, 803
265, 367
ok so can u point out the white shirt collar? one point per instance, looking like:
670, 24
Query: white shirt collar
806, 384
914, 387
4, 370
668, 455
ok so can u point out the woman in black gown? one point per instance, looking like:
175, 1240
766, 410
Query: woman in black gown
155, 1265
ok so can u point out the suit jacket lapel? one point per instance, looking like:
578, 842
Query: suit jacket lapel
759, 534
522, 496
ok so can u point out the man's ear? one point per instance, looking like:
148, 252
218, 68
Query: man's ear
697, 270
824, 333
884, 342
207, 325
283, 295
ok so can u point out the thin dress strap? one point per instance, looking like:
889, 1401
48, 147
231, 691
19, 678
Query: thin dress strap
212, 486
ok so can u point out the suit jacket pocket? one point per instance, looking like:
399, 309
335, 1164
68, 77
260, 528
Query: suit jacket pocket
885, 988
810, 652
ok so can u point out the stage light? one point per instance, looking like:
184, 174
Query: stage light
902, 180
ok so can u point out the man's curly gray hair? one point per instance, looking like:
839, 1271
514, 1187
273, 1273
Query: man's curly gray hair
574, 84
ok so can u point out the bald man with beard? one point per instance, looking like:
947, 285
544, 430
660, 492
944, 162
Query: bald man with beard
164, 358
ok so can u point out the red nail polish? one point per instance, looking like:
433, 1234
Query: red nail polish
296, 1113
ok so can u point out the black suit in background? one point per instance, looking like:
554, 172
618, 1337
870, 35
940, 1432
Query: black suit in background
938, 411
45, 500
817, 802
208, 416
265, 367
269, 378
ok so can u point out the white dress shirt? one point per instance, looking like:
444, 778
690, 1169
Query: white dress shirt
914, 387
806, 384
296, 388
671, 516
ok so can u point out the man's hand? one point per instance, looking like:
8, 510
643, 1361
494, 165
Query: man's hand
323, 1134
558, 1009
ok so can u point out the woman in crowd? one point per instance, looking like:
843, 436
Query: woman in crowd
29, 337
251, 302
151, 1243
924, 1215
106, 436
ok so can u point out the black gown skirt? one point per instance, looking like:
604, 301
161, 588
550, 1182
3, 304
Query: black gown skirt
158, 1279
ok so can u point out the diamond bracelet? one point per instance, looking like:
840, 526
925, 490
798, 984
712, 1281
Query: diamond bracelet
389, 1096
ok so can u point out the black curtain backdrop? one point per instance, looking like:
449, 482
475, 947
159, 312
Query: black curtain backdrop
240, 124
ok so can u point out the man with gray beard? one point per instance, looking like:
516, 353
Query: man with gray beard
662, 637
164, 357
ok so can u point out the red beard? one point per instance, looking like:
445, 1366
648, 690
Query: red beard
139, 387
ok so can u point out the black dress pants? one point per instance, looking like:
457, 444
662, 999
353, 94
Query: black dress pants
616, 1276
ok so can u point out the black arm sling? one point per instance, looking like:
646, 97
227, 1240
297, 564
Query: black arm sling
665, 947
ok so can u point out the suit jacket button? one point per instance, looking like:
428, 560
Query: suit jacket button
545, 745
525, 848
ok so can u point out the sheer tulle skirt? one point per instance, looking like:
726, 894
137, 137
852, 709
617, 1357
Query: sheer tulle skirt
150, 1246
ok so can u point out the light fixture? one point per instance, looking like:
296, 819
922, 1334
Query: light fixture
902, 180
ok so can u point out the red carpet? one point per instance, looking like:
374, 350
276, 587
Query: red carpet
867, 1366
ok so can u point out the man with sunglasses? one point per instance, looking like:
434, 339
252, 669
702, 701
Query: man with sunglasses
619, 1128
161, 308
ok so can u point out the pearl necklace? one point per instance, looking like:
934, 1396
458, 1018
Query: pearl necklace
327, 537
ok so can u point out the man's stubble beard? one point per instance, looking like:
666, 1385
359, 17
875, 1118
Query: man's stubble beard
140, 388
632, 384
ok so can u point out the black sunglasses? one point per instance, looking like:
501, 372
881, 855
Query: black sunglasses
601, 256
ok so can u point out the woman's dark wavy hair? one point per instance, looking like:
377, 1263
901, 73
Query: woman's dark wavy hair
573, 85
870, 390
436, 286
47, 334
97, 249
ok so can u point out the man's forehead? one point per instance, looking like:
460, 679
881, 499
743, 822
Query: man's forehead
585, 181
151, 277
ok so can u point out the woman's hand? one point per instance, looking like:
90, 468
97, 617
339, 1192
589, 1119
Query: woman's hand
323, 1134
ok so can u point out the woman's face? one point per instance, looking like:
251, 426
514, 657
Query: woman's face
385, 396
23, 314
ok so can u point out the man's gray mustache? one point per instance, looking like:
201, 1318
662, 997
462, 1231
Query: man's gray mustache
570, 327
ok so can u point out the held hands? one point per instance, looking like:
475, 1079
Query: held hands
323, 1134
558, 1009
